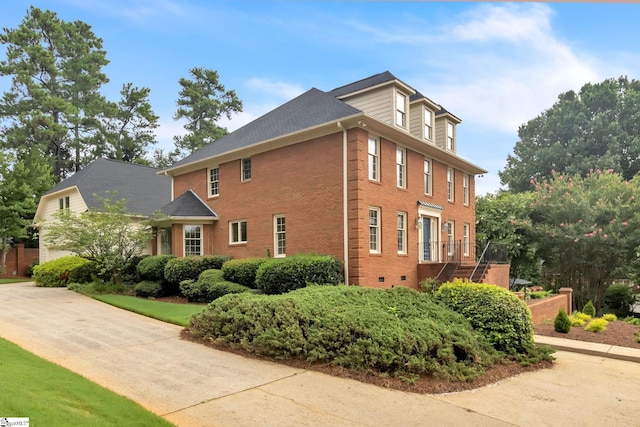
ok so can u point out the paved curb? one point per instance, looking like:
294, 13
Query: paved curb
589, 348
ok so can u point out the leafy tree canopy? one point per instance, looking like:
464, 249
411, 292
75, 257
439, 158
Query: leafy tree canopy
596, 128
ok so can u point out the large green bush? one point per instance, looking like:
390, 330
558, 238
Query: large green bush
56, 273
619, 299
281, 275
243, 271
209, 286
396, 331
496, 312
177, 270
148, 289
152, 267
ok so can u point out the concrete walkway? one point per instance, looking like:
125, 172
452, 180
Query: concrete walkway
192, 385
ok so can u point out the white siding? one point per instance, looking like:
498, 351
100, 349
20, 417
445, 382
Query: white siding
52, 205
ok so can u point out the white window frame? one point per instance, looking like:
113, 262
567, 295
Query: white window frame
428, 177
428, 128
401, 109
63, 202
374, 230
402, 233
401, 167
235, 232
450, 184
450, 238
374, 158
194, 241
214, 182
451, 139
245, 169
465, 189
279, 236
465, 238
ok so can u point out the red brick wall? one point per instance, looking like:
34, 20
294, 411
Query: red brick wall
18, 259
548, 308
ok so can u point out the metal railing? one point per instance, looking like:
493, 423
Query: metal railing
493, 253
445, 251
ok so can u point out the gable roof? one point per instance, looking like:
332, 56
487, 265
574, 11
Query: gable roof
188, 205
144, 189
312, 108
365, 83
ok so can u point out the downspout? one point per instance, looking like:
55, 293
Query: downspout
345, 210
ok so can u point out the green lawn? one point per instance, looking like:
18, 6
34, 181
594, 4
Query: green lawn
50, 395
2, 281
178, 314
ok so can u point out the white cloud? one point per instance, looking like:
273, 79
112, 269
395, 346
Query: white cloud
281, 90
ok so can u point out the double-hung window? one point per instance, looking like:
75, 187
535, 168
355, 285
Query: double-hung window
401, 167
451, 143
246, 169
214, 182
427, 124
279, 236
465, 189
427, 177
402, 232
450, 237
374, 230
450, 184
192, 240
401, 108
238, 232
374, 159
465, 239
64, 202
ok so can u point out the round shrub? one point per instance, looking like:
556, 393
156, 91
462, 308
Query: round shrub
85, 273
596, 325
243, 271
396, 331
56, 273
209, 286
589, 309
152, 267
179, 269
562, 323
496, 312
281, 275
148, 289
212, 262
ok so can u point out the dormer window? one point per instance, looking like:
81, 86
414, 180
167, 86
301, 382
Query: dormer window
427, 124
401, 110
451, 142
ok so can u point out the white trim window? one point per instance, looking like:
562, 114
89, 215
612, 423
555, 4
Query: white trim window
192, 240
237, 232
279, 236
246, 169
450, 184
402, 233
374, 159
401, 167
451, 142
374, 230
465, 189
427, 177
450, 238
214, 182
427, 124
401, 110
465, 239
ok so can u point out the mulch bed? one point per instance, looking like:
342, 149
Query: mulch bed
618, 333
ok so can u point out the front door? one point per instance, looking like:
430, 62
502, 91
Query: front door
426, 239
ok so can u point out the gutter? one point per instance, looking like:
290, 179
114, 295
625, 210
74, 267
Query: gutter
345, 210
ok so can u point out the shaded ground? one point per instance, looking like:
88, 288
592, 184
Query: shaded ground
617, 333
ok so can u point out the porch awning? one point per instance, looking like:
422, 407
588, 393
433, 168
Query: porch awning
430, 205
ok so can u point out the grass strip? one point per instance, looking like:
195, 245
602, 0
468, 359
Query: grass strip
3, 281
51, 395
178, 314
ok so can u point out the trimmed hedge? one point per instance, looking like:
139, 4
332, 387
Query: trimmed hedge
152, 267
177, 270
281, 275
209, 286
495, 312
396, 331
243, 271
56, 273
148, 289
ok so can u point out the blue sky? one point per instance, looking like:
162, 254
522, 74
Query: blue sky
494, 65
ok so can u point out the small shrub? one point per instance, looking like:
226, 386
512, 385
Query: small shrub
212, 262
540, 294
494, 311
243, 271
130, 270
85, 273
576, 321
30, 267
209, 286
562, 323
633, 320
179, 269
582, 316
55, 273
281, 275
596, 325
610, 317
429, 285
589, 309
148, 289
152, 267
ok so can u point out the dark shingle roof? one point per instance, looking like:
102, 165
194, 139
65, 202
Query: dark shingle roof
144, 189
188, 204
312, 108
363, 84
430, 205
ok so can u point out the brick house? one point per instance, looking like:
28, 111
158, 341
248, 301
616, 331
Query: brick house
367, 172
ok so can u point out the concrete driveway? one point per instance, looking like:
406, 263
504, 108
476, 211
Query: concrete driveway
192, 385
